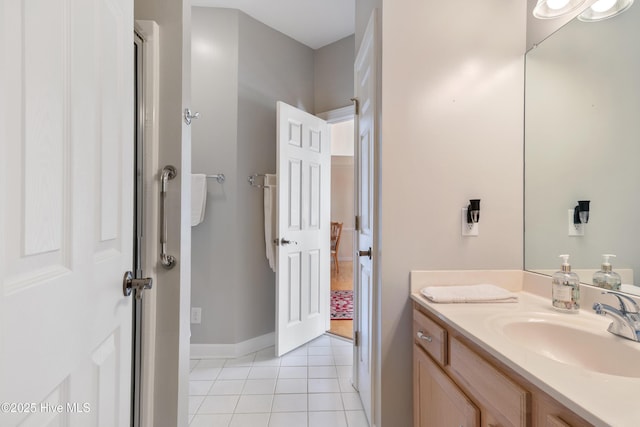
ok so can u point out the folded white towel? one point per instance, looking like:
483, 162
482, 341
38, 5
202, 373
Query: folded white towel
198, 198
468, 293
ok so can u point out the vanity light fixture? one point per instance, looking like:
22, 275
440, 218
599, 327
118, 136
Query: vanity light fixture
549, 9
470, 218
604, 9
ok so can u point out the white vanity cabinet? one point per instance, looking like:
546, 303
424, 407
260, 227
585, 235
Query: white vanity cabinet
456, 383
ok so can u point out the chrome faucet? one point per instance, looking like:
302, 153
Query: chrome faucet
626, 322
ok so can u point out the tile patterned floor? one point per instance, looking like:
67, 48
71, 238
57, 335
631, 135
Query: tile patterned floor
308, 387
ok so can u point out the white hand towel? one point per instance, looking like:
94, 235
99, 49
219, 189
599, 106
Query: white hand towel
468, 293
198, 198
270, 202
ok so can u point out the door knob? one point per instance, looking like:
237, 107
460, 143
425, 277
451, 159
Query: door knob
284, 242
365, 253
130, 284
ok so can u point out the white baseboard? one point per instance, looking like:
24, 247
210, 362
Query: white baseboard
216, 351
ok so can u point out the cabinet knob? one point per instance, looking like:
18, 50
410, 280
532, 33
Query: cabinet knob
424, 337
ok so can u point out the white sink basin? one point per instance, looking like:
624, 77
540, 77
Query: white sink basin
576, 340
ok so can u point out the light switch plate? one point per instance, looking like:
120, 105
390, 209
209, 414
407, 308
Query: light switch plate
574, 230
467, 230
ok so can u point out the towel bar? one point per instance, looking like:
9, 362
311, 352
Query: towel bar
218, 177
252, 180
167, 261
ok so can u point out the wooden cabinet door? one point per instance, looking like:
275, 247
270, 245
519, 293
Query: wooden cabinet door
437, 401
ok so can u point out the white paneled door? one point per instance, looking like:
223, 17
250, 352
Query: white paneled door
66, 166
304, 197
365, 88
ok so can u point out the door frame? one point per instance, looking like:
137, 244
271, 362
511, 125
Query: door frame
149, 31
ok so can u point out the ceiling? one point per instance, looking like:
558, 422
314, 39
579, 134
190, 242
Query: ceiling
315, 23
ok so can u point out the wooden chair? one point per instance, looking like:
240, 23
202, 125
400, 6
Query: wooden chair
336, 231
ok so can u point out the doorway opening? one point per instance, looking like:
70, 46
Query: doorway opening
343, 227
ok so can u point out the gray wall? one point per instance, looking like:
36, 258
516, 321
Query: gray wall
333, 86
214, 71
236, 83
452, 129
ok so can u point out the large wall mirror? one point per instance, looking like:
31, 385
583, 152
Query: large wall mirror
582, 142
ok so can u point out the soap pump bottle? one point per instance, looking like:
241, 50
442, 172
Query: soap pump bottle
565, 292
606, 278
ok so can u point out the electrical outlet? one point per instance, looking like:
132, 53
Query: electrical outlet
469, 229
574, 229
196, 315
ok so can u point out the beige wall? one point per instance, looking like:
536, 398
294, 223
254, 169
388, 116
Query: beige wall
452, 125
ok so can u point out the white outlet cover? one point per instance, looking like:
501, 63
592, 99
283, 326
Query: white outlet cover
574, 230
472, 231
196, 315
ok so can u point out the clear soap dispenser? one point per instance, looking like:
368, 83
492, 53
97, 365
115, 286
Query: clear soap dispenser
565, 292
606, 278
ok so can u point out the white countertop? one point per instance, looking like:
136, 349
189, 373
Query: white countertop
602, 399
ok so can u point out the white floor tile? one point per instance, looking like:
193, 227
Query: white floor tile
289, 403
356, 419
323, 385
320, 351
263, 372
328, 418
346, 385
322, 372
294, 361
240, 361
322, 341
211, 420
342, 351
343, 360
341, 342
291, 385
194, 403
251, 404
289, 419
203, 374
351, 402
249, 420
218, 405
240, 373
267, 361
300, 351
325, 402
268, 352
228, 387
293, 372
211, 363
320, 360
266, 386
199, 388
344, 371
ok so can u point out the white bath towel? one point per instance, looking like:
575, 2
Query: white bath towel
198, 198
270, 206
468, 293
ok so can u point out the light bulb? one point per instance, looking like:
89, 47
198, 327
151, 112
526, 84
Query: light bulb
603, 5
557, 4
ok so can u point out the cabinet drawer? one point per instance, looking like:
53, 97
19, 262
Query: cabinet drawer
430, 336
507, 402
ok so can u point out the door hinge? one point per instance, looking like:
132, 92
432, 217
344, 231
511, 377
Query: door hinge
356, 338
357, 223
356, 101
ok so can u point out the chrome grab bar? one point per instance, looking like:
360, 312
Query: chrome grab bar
168, 173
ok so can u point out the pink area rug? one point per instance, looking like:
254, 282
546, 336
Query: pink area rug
341, 305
